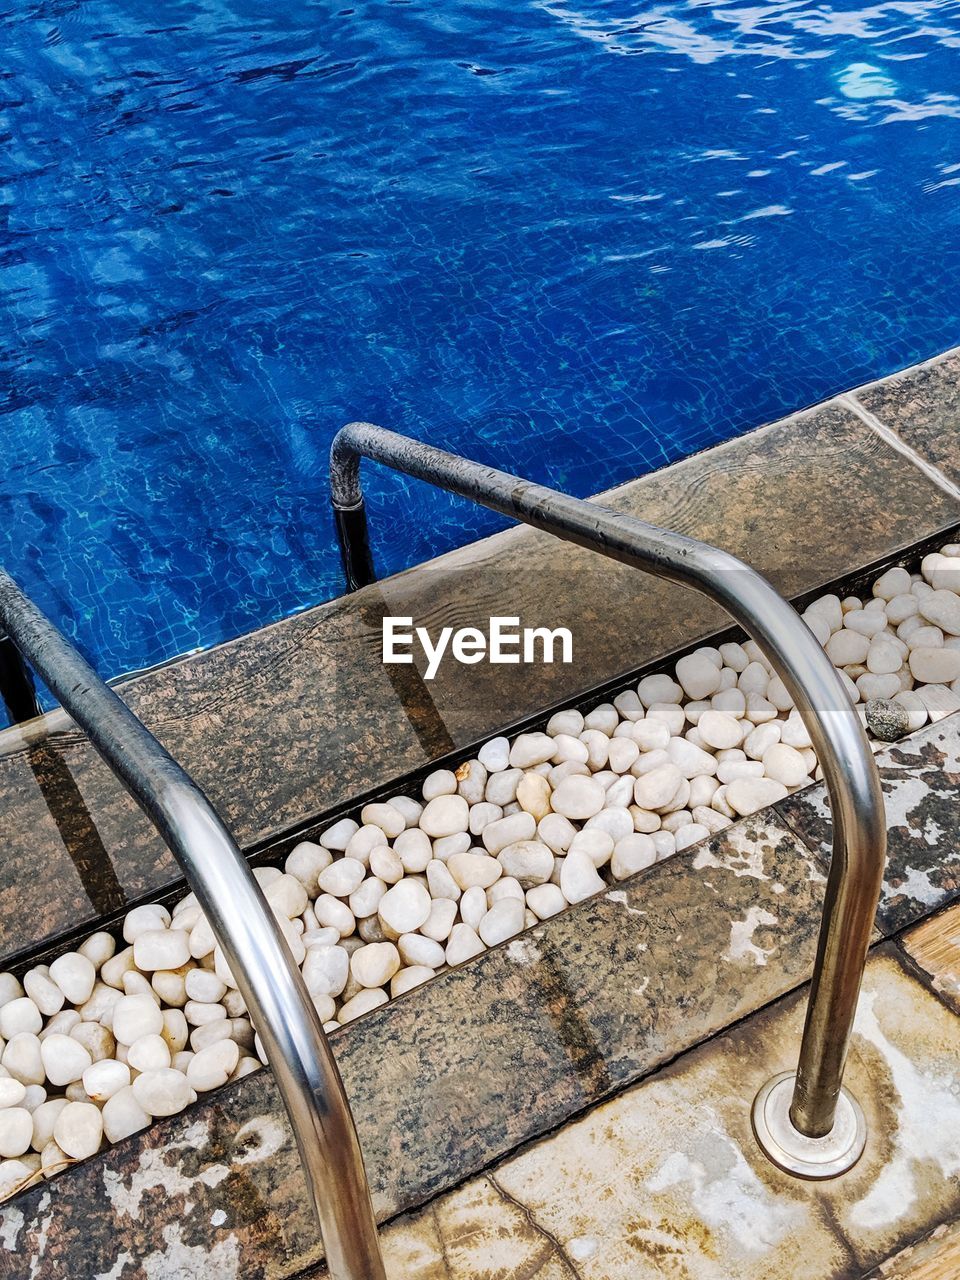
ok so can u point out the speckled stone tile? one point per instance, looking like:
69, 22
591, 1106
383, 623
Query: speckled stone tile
666, 1180
284, 724
922, 405
455, 1074
921, 791
934, 945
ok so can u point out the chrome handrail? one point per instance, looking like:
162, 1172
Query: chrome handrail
807, 1124
266, 974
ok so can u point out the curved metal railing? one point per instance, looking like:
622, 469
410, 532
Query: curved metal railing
799, 1126
244, 925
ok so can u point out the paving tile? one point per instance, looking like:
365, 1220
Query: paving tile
923, 406
286, 723
935, 946
666, 1178
459, 1072
921, 791
936, 1257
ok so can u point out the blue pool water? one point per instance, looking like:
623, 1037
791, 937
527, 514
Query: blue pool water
577, 238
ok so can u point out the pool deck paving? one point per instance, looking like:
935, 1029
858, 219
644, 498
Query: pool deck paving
450, 1080
284, 725
574, 1103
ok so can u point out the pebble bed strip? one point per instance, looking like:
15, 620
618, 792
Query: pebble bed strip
103, 1040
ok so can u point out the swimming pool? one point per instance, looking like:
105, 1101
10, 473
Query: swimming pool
577, 239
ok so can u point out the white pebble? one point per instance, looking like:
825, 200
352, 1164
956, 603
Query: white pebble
597, 844
545, 900
339, 835
160, 1093
150, 1053
150, 916
569, 721
342, 877
439, 922
935, 666
16, 1131
325, 970
390, 820
530, 749
43, 991
12, 1092
19, 1016
305, 862
78, 1130
495, 755
445, 815
749, 795
334, 914
464, 944
159, 949
64, 1059
784, 764
533, 795
720, 730
136, 1016
375, 964
528, 861
363, 841
213, 1066
517, 826
579, 878
658, 688
698, 675
894, 582
408, 979
441, 782
103, 1079
632, 854
502, 787
504, 919
469, 869
691, 760
656, 789
473, 906
404, 908
578, 798
420, 952
689, 834
414, 849
21, 1058
942, 608
363, 1002
123, 1115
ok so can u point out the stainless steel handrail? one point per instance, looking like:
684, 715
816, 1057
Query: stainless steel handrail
796, 1120
245, 927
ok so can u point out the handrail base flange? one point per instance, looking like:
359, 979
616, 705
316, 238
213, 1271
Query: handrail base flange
813, 1158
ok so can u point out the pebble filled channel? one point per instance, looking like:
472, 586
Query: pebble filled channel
118, 1032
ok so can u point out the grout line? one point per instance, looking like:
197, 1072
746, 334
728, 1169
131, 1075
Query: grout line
873, 422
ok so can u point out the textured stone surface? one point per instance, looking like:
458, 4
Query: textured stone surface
923, 406
666, 1179
935, 946
936, 1257
467, 1068
287, 723
921, 791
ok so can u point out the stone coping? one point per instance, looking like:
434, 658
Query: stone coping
454, 1076
292, 721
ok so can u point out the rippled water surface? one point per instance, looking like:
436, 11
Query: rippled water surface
579, 240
